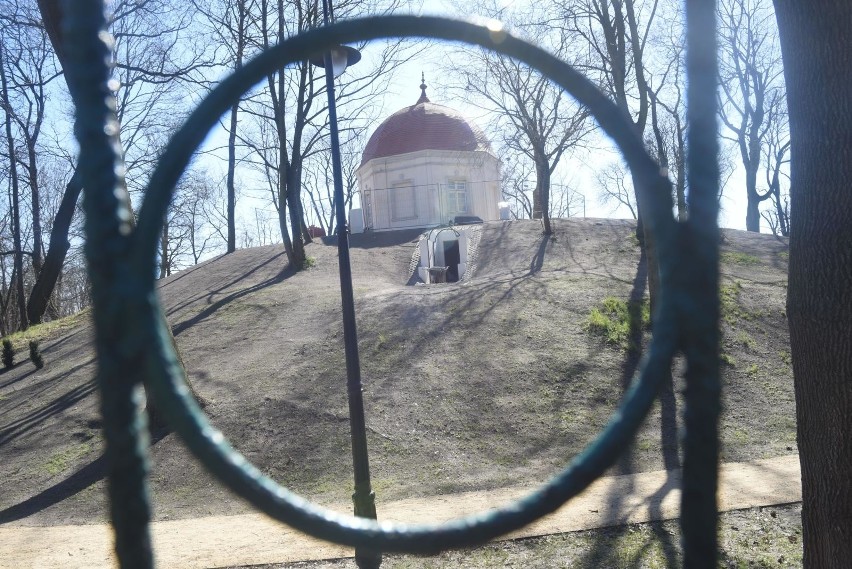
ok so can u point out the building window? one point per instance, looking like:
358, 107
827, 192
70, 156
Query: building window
403, 203
367, 206
456, 197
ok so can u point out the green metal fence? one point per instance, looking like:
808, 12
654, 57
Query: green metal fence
134, 347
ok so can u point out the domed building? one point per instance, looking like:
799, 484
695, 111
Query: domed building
426, 165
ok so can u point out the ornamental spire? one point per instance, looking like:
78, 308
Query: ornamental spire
423, 98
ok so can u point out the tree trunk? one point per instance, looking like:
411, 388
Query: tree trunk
754, 199
282, 224
164, 250
680, 185
542, 177
16, 210
815, 44
283, 172
56, 251
232, 164
51, 16
38, 245
306, 233
536, 206
640, 224
232, 133
753, 212
294, 206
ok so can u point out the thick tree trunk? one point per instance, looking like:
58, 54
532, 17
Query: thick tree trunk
680, 187
283, 172
542, 175
536, 205
282, 225
306, 233
816, 43
56, 251
753, 212
754, 199
294, 206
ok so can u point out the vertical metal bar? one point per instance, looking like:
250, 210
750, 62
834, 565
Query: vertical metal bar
700, 313
364, 498
108, 233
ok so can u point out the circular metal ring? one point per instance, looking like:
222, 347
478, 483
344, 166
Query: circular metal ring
166, 376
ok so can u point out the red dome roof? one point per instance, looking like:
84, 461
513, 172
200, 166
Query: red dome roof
424, 126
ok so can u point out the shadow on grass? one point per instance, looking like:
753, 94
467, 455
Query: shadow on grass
285, 273
18, 427
373, 239
17, 379
74, 484
600, 553
538, 259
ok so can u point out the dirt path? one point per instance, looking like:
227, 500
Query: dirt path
252, 539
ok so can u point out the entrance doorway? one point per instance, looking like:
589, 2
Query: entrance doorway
452, 258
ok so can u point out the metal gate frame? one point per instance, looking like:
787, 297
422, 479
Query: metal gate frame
121, 257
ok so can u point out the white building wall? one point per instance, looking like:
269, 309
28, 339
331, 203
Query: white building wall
427, 172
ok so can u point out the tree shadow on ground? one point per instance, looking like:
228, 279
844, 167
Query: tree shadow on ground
20, 426
373, 239
616, 506
284, 274
85, 477
17, 379
537, 261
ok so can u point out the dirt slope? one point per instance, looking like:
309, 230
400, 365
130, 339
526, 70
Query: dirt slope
489, 382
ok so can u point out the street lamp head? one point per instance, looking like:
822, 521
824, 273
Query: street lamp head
342, 57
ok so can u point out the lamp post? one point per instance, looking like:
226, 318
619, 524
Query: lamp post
335, 62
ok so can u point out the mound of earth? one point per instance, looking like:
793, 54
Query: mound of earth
488, 382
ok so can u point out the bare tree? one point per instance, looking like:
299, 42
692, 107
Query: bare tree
290, 115
154, 69
157, 66
514, 186
30, 69
318, 182
14, 194
616, 33
752, 98
532, 117
776, 160
189, 232
229, 22
59, 244
616, 187
668, 110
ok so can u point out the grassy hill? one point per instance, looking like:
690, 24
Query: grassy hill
493, 381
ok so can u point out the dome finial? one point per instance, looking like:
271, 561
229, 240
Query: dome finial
423, 98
